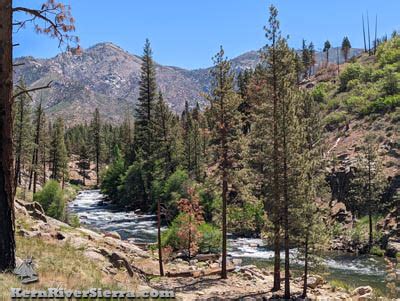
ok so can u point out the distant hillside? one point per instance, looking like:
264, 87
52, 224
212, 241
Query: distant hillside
107, 77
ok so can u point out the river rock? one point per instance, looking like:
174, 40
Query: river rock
206, 257
365, 297
340, 214
78, 242
96, 256
393, 248
362, 290
112, 234
313, 281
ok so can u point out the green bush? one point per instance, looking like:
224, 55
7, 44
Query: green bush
335, 120
377, 251
355, 104
391, 83
246, 220
73, 221
111, 178
209, 241
170, 236
319, 94
389, 52
352, 72
132, 191
172, 190
383, 105
51, 198
211, 238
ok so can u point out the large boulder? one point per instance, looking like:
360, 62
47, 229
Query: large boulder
393, 248
112, 234
34, 209
363, 293
339, 213
313, 281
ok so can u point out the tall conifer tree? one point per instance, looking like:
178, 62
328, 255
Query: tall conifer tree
144, 119
95, 131
225, 127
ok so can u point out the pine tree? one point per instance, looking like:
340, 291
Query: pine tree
58, 152
275, 143
311, 53
224, 131
369, 182
84, 162
39, 125
308, 226
95, 134
22, 133
44, 147
327, 47
305, 57
164, 136
144, 122
187, 128
246, 105
127, 137
346, 47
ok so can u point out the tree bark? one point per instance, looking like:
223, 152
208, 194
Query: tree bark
286, 203
304, 295
224, 274
276, 200
7, 220
160, 259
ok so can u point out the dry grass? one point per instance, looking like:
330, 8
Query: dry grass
62, 266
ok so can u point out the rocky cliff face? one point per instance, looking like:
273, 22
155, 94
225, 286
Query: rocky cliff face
107, 77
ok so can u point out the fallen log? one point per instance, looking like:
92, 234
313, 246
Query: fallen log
206, 257
199, 273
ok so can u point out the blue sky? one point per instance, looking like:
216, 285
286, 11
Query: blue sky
187, 33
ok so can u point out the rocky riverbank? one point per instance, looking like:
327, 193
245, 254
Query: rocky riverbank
130, 267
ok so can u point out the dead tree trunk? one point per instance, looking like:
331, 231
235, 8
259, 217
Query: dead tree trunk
7, 225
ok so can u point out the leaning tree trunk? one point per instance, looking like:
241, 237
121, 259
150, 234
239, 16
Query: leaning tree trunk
7, 239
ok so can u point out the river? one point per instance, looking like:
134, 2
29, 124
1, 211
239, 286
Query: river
350, 269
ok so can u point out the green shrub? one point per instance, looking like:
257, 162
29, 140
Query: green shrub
51, 197
319, 93
111, 178
355, 104
247, 219
391, 83
352, 72
383, 105
73, 221
172, 190
210, 241
132, 191
335, 120
335, 283
333, 104
170, 236
389, 52
377, 251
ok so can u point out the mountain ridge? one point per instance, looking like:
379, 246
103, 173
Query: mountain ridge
107, 76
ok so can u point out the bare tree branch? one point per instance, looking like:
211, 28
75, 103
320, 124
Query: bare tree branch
27, 91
